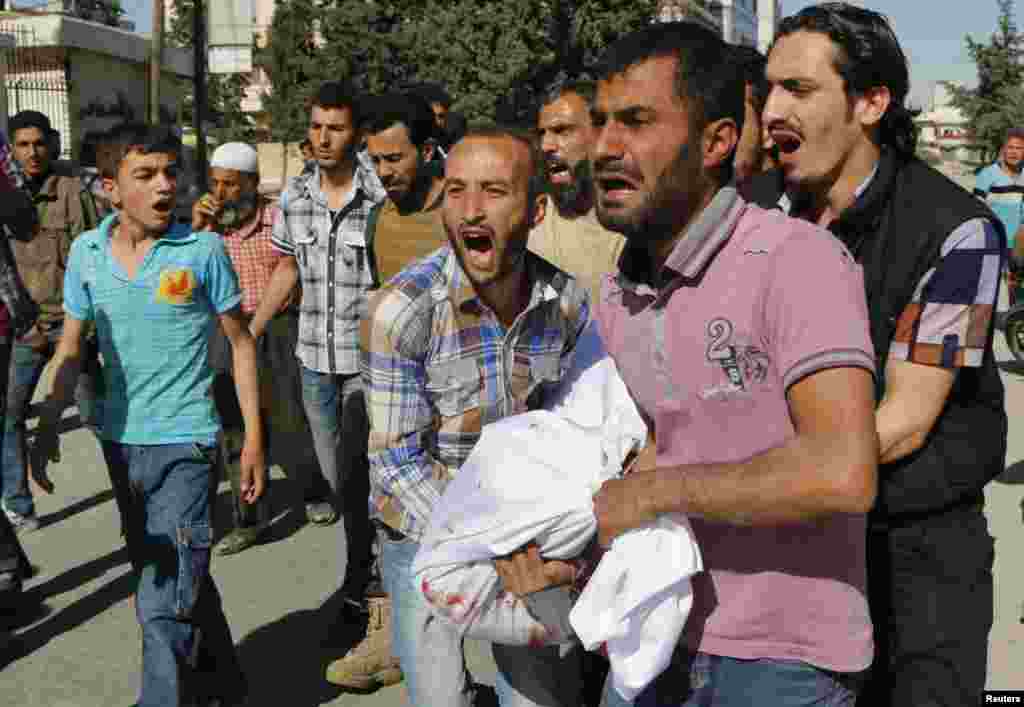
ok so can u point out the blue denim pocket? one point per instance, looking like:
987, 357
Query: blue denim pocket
194, 542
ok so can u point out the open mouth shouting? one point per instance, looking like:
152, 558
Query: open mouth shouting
558, 171
785, 139
163, 208
478, 246
615, 187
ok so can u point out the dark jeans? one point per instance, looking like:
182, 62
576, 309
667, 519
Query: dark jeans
707, 680
930, 589
25, 369
336, 410
187, 650
245, 515
12, 555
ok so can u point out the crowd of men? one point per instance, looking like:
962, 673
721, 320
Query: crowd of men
801, 309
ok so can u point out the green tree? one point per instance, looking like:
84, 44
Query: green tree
995, 104
489, 54
295, 68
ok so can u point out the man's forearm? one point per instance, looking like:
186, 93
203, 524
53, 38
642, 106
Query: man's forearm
795, 483
246, 380
66, 368
899, 435
279, 289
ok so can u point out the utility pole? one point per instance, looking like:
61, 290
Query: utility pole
156, 61
199, 97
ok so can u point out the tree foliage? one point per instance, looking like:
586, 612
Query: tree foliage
489, 54
997, 103
294, 65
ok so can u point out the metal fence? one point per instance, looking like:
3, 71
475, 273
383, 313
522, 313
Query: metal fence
35, 78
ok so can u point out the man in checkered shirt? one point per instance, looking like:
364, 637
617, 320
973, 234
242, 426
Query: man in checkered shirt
477, 331
322, 234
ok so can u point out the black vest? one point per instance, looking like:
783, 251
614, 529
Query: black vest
896, 230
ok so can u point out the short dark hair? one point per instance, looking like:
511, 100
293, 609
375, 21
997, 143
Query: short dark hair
711, 85
432, 93
1014, 134
134, 137
338, 94
524, 137
751, 64
30, 119
305, 143
868, 56
582, 86
408, 109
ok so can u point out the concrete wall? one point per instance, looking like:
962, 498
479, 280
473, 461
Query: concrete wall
107, 90
272, 162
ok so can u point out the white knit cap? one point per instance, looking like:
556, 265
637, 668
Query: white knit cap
237, 156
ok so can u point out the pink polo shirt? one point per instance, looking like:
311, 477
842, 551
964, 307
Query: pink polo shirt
752, 302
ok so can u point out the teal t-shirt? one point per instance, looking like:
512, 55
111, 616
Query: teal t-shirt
153, 331
1004, 195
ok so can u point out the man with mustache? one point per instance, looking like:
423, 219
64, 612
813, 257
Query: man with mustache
932, 256
570, 236
742, 336
65, 209
398, 129
480, 330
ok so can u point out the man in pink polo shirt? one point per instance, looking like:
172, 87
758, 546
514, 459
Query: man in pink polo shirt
743, 336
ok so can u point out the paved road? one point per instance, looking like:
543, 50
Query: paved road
82, 649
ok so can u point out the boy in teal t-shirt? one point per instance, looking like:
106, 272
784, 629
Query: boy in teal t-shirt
152, 289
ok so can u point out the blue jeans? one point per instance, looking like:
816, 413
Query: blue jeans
336, 410
432, 658
25, 369
187, 651
719, 681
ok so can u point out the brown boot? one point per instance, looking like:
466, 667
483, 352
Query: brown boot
369, 664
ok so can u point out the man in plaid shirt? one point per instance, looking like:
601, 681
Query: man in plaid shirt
480, 330
322, 235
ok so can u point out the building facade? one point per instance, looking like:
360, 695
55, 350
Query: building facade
689, 10
738, 19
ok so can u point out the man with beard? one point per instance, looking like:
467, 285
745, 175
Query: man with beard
478, 331
742, 336
932, 255
570, 236
245, 221
398, 130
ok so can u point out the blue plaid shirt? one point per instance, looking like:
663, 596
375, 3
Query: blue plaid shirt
438, 365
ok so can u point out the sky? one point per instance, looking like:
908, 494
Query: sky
931, 32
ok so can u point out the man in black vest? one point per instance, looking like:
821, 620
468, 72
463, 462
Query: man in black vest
931, 255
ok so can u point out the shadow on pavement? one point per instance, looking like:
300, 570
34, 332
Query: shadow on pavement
300, 645
76, 613
1011, 366
1013, 475
76, 508
286, 516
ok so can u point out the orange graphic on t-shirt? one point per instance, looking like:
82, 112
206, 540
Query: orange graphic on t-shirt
176, 286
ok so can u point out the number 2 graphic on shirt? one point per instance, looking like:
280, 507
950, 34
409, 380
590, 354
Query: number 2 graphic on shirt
720, 331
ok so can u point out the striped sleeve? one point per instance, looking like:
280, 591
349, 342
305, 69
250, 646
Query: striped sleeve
948, 321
